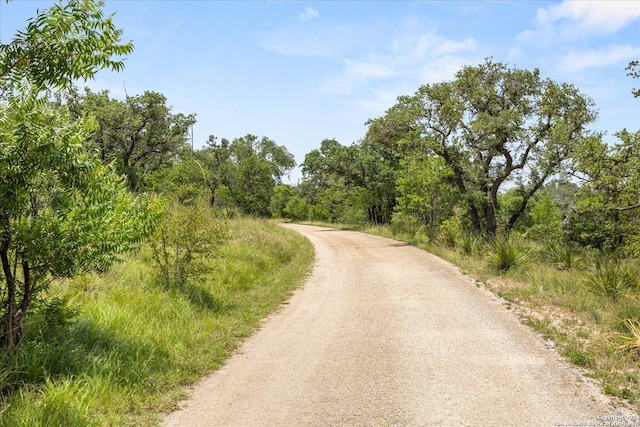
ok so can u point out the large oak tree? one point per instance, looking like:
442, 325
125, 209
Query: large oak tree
493, 126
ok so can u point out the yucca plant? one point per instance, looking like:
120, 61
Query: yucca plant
631, 340
470, 243
506, 253
561, 255
611, 278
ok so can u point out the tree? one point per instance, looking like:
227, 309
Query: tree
607, 209
187, 181
249, 168
61, 210
139, 135
328, 184
425, 190
59, 46
495, 125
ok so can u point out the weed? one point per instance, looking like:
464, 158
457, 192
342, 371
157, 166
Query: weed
621, 392
578, 356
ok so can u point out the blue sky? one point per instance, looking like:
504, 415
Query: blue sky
299, 72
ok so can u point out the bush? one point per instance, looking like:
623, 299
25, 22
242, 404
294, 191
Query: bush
631, 340
187, 236
507, 253
405, 224
450, 230
296, 209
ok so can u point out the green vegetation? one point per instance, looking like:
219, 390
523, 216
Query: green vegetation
185, 239
138, 136
62, 211
85, 344
507, 253
496, 171
117, 348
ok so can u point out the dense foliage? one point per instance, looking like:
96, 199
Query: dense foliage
139, 135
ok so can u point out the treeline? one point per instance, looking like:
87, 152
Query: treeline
495, 150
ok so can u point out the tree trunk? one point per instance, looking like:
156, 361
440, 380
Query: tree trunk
490, 213
492, 223
12, 332
475, 220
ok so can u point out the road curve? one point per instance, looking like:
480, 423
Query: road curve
384, 334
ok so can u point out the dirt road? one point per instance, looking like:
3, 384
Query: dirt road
384, 334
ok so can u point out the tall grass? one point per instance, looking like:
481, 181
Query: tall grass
126, 355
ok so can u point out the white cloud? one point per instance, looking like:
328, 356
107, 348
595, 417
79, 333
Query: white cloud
578, 61
576, 19
514, 52
357, 74
441, 69
308, 13
380, 99
368, 69
606, 16
288, 43
369, 66
411, 60
433, 45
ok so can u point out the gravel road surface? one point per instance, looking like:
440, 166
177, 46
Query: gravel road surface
384, 334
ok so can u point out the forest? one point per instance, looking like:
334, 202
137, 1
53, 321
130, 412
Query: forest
498, 163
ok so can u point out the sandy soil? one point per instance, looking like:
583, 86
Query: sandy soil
384, 334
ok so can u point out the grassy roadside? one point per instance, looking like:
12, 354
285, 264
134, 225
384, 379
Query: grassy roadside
119, 349
554, 295
586, 328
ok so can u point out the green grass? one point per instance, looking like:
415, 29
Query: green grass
126, 355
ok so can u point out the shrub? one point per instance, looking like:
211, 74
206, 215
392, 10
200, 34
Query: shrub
403, 223
296, 209
470, 243
450, 230
631, 340
187, 236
